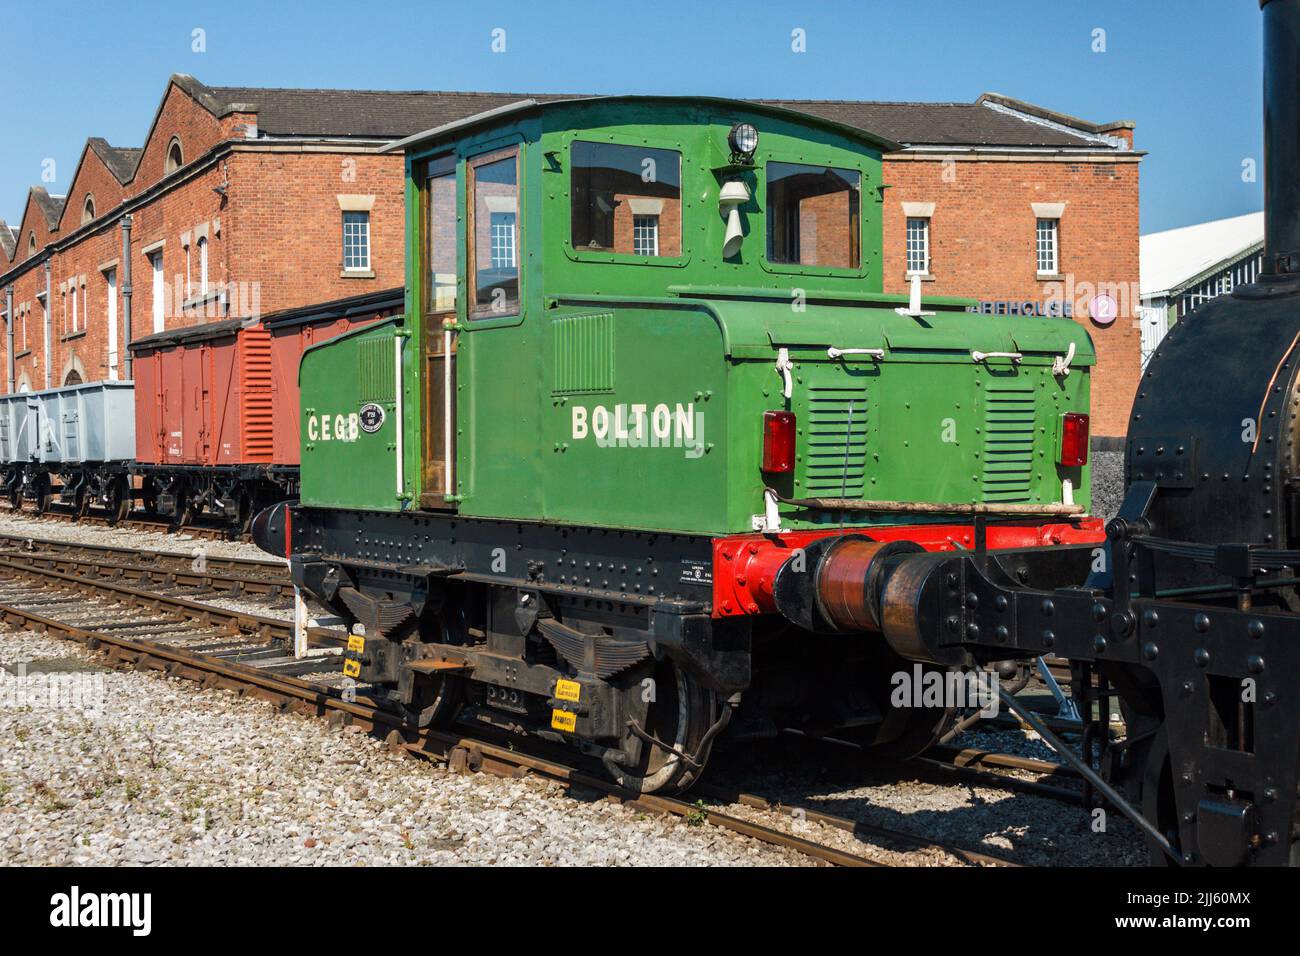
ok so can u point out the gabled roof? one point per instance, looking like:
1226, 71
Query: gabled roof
50, 206
8, 239
120, 160
992, 120
1170, 259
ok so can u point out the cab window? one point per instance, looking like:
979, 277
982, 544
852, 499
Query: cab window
813, 216
495, 228
626, 199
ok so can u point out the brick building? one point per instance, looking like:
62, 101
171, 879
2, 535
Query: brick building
242, 201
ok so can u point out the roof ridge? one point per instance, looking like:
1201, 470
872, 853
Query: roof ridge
332, 89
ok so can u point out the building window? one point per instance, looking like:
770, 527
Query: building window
203, 265
110, 300
31, 243
88, 209
174, 159
73, 378
918, 246
645, 235
159, 292
356, 241
503, 240
1046, 246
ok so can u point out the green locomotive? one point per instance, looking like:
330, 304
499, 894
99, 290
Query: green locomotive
646, 377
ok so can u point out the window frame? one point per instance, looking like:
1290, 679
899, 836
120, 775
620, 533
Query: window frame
686, 200
202, 245
473, 312
1055, 247
653, 233
908, 271
168, 166
343, 221
794, 268
444, 165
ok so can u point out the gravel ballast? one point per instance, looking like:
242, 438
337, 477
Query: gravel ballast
167, 773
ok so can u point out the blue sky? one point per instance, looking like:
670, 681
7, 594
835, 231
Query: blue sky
1188, 72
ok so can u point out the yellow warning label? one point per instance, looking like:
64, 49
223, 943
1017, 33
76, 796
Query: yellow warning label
569, 690
351, 668
356, 643
564, 720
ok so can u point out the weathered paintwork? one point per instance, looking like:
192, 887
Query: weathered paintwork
548, 401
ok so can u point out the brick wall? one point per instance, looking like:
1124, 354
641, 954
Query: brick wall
286, 223
982, 245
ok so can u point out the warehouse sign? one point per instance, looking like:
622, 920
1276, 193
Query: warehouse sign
1048, 308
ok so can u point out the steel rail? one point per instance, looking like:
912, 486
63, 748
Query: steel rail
159, 575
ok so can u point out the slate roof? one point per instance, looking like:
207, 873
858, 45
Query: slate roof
381, 114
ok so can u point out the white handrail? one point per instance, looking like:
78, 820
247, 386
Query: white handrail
979, 356
835, 353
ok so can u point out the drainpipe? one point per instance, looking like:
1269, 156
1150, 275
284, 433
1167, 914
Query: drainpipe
9, 333
49, 307
126, 294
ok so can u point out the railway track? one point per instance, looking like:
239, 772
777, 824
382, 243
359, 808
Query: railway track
78, 596
136, 522
197, 571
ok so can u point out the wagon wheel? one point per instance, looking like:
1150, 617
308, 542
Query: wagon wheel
679, 717
184, 514
80, 505
244, 521
16, 498
44, 496
118, 500
149, 496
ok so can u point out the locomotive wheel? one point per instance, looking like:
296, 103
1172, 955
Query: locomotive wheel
436, 699
904, 732
679, 716
1158, 803
907, 732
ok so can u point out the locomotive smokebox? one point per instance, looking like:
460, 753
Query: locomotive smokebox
1281, 136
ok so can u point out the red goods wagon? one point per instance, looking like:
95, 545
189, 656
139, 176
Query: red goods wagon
203, 396
293, 331
216, 406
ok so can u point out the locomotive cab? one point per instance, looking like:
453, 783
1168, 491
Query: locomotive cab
645, 360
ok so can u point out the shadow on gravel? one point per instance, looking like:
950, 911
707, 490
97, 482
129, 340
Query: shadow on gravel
925, 801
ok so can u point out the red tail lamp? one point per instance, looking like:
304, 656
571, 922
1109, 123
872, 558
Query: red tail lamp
778, 442
1074, 439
